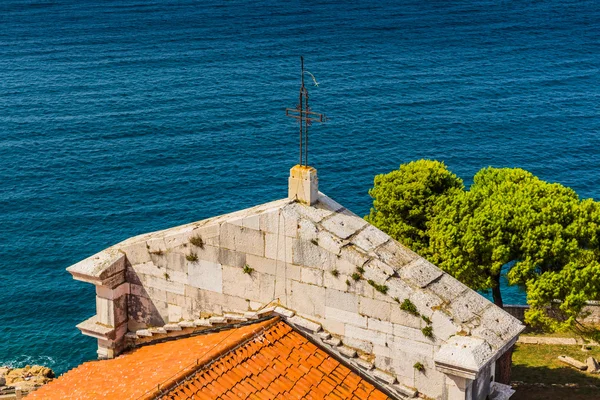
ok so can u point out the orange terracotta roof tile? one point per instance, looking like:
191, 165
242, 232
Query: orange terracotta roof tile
278, 364
265, 360
136, 374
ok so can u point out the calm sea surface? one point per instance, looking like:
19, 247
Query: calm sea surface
122, 117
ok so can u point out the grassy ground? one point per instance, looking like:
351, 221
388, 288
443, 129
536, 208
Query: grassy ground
539, 364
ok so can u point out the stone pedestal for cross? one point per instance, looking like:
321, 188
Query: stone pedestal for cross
303, 184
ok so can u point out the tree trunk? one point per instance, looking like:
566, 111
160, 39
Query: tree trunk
496, 294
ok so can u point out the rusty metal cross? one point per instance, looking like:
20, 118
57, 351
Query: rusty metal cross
304, 115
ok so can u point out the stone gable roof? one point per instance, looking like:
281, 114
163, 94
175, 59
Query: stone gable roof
307, 258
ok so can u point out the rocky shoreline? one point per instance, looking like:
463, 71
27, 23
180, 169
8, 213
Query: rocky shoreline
17, 381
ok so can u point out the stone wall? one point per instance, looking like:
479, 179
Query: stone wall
324, 263
591, 312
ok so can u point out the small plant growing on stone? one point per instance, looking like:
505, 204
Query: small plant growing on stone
409, 307
380, 288
167, 277
360, 270
335, 273
419, 367
197, 241
193, 257
427, 331
248, 269
397, 300
356, 276
426, 319
347, 282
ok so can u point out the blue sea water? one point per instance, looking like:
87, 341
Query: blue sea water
122, 117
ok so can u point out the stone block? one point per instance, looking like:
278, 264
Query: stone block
362, 288
156, 245
305, 324
592, 365
111, 294
468, 305
278, 247
384, 377
501, 322
235, 317
354, 256
377, 338
324, 335
206, 275
148, 268
336, 282
232, 258
310, 255
405, 391
237, 283
447, 288
217, 320
284, 312
425, 301
303, 184
207, 253
307, 299
347, 317
143, 333
145, 311
380, 326
307, 230
315, 214
202, 322
288, 271
442, 325
401, 348
262, 264
334, 327
251, 222
172, 327
164, 284
406, 332
378, 271
344, 266
363, 345
176, 299
242, 239
394, 254
370, 238
333, 341
375, 308
381, 353
279, 223
137, 253
329, 242
401, 317
339, 300
327, 203
573, 362
364, 364
267, 288
420, 272
347, 351
343, 224
138, 290
105, 311
312, 275
174, 313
